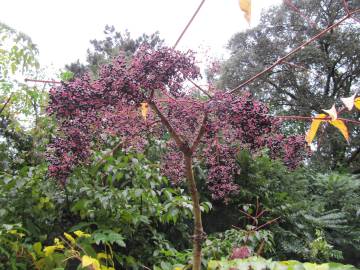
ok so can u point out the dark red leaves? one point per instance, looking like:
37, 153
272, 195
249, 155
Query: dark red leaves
87, 110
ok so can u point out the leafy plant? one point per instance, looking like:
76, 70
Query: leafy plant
263, 264
86, 113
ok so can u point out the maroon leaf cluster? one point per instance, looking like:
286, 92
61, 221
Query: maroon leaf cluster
212, 131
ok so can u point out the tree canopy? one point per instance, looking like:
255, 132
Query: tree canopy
311, 80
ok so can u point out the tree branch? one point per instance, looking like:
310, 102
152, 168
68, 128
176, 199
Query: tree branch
180, 143
200, 88
199, 136
6, 103
320, 34
309, 118
188, 24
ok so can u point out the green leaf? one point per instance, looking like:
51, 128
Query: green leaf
37, 247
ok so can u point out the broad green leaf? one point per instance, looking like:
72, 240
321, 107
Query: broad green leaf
37, 247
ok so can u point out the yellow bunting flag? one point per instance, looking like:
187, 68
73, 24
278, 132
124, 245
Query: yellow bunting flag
340, 125
314, 127
349, 102
144, 110
357, 103
245, 6
332, 112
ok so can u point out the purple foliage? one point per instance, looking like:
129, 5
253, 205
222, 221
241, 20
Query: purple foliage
86, 109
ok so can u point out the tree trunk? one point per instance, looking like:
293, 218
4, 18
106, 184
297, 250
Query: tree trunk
198, 228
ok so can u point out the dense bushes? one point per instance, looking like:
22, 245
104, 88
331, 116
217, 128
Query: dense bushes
126, 196
318, 214
124, 203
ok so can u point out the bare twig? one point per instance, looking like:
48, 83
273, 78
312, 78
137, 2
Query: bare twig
346, 6
267, 223
169, 127
297, 10
188, 24
200, 88
200, 134
309, 118
246, 214
41, 81
6, 103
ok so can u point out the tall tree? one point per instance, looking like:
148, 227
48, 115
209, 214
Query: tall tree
112, 45
311, 80
20, 104
211, 131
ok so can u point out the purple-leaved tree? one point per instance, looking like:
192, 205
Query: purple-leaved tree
212, 131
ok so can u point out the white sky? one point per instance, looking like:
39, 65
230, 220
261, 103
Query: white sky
62, 28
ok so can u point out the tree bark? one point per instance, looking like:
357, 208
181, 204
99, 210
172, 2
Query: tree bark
198, 228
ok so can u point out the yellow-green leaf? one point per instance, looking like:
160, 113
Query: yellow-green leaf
340, 125
245, 6
357, 103
87, 261
102, 255
49, 250
70, 238
57, 241
37, 247
314, 127
79, 233
103, 267
144, 110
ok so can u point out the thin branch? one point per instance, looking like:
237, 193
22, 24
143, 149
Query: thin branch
200, 88
262, 212
297, 10
267, 223
109, 154
346, 6
246, 214
199, 136
41, 81
309, 118
188, 24
6, 103
171, 100
171, 130
321, 33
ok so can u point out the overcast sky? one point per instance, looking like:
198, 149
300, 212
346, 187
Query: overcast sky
62, 28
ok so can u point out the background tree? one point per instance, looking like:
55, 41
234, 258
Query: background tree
21, 105
313, 79
112, 45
